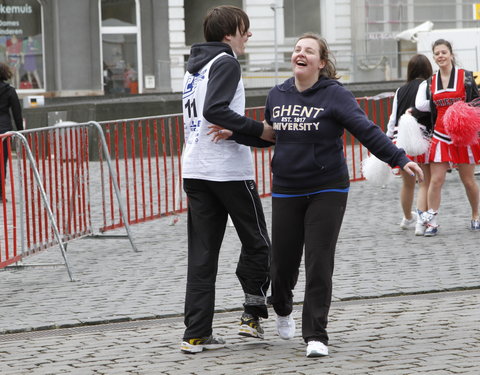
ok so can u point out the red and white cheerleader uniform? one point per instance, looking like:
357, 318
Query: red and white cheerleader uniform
442, 148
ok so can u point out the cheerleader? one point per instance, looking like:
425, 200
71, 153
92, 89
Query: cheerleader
449, 85
418, 70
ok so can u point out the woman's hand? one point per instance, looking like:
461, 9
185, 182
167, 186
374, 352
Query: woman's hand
268, 133
219, 133
413, 169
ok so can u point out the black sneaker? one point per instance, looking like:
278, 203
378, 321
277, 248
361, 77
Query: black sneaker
204, 343
250, 326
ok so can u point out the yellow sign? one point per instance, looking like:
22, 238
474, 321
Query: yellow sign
476, 11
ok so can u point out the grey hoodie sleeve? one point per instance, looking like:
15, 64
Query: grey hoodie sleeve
224, 76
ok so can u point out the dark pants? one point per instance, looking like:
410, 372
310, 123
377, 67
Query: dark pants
313, 221
209, 204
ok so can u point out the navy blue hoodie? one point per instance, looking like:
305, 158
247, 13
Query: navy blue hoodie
309, 126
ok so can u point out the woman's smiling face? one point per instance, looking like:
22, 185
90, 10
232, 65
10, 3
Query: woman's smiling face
442, 55
306, 62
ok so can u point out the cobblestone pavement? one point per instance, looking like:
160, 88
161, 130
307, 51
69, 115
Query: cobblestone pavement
431, 328
428, 334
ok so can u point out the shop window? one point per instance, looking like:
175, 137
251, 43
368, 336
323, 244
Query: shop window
120, 47
21, 43
301, 16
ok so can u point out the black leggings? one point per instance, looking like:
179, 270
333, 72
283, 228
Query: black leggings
313, 221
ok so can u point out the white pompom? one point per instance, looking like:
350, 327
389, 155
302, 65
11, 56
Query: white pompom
410, 136
376, 171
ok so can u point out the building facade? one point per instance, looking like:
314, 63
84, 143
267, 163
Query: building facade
121, 47
86, 47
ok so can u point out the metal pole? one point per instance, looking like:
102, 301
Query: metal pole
275, 41
114, 182
399, 60
44, 198
20, 179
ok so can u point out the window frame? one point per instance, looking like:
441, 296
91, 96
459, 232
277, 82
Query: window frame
109, 30
44, 74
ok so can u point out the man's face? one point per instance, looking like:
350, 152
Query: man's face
238, 41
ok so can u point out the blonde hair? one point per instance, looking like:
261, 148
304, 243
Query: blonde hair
329, 69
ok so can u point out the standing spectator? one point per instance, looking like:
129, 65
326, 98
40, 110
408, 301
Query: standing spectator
309, 113
130, 80
9, 107
107, 79
418, 70
448, 85
219, 180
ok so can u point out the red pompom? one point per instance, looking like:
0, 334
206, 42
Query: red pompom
462, 123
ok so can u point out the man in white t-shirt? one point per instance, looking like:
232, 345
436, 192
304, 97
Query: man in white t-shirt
219, 180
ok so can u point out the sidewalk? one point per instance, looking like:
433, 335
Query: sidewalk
423, 331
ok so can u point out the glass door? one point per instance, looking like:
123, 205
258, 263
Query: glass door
120, 47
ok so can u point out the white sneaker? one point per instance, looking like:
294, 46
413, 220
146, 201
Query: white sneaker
430, 220
316, 349
286, 326
420, 229
420, 226
407, 224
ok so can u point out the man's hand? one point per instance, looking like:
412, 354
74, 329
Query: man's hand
413, 169
268, 133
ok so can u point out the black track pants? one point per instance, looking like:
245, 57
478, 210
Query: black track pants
313, 221
209, 204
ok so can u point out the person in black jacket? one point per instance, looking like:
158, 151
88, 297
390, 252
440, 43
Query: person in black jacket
219, 181
418, 70
309, 113
9, 106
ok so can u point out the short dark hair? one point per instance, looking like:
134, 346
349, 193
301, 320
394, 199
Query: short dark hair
419, 66
224, 20
5, 72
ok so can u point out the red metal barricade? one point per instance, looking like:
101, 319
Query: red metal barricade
261, 158
9, 239
147, 151
53, 190
61, 156
144, 172
33, 214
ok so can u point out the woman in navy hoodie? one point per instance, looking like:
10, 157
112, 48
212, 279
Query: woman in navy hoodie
309, 113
